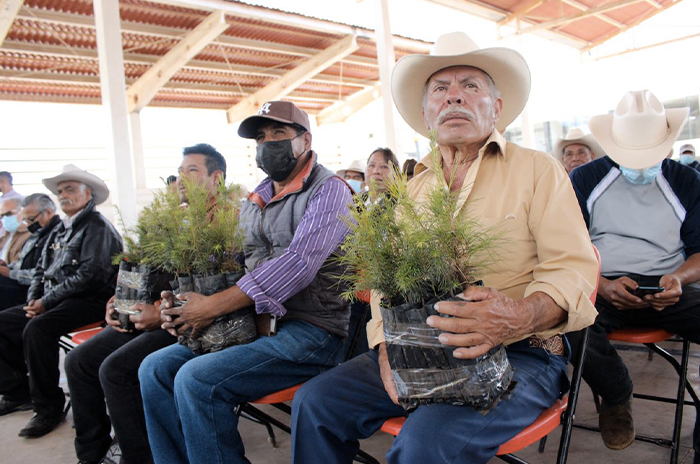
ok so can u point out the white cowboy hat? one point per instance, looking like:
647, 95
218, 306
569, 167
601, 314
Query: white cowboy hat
506, 67
71, 172
357, 166
577, 135
640, 132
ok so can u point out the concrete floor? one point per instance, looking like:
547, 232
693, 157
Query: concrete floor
586, 447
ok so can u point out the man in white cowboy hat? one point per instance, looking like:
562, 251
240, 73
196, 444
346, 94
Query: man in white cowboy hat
576, 149
72, 281
686, 156
643, 215
354, 175
540, 289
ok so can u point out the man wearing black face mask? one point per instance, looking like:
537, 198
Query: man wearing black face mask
39, 214
292, 224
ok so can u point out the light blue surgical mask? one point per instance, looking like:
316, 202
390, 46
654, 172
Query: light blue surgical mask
687, 159
10, 223
641, 176
355, 184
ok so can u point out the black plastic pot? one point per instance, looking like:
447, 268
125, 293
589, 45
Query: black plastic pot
137, 284
236, 328
426, 371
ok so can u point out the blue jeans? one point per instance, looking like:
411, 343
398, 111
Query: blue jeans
333, 411
188, 399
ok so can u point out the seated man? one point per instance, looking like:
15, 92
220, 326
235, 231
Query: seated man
576, 149
292, 224
8, 192
643, 214
72, 282
39, 216
106, 366
354, 175
15, 233
686, 156
540, 288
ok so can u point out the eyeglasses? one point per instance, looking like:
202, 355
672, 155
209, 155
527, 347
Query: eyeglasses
7, 214
31, 220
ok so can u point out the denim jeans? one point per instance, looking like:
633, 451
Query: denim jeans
333, 411
188, 399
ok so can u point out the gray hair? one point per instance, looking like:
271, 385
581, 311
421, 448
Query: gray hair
42, 201
15, 201
493, 90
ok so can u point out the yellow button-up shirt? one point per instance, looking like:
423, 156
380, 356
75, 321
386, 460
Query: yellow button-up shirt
545, 247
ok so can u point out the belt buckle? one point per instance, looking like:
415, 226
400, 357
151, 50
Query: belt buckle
553, 345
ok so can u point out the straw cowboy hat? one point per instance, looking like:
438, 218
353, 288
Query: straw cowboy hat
577, 135
506, 67
71, 172
640, 132
357, 166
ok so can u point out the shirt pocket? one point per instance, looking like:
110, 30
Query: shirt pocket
70, 261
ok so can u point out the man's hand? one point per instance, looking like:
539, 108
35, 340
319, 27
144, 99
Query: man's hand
387, 376
4, 271
670, 296
196, 313
34, 308
3, 263
147, 319
487, 319
617, 292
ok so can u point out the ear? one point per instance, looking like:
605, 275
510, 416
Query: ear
307, 140
497, 107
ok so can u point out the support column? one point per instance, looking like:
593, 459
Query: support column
137, 145
528, 130
113, 86
386, 60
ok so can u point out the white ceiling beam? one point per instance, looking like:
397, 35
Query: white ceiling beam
68, 19
343, 109
141, 92
520, 11
292, 79
602, 17
8, 12
576, 16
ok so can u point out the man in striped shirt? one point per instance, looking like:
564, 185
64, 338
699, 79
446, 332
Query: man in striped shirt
293, 224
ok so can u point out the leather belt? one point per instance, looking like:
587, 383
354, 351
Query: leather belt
553, 345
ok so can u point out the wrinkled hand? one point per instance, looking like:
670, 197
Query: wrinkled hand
387, 376
485, 320
34, 308
3, 263
670, 296
148, 318
617, 292
110, 310
196, 313
4, 271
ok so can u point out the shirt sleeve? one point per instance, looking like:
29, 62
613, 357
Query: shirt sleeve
320, 232
567, 269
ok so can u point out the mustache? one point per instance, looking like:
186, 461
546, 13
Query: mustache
450, 110
66, 202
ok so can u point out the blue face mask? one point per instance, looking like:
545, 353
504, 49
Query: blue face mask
641, 176
10, 223
687, 159
355, 184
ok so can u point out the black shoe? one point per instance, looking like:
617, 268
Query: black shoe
7, 405
39, 426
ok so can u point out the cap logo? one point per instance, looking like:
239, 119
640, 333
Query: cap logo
264, 109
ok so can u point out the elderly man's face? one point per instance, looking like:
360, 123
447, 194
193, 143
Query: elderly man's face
194, 167
354, 175
576, 155
459, 106
73, 196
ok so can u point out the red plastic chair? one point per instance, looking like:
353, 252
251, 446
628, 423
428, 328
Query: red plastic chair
80, 335
561, 412
650, 337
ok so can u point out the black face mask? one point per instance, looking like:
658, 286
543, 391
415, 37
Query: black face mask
33, 227
276, 159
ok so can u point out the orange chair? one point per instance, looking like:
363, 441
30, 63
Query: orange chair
561, 412
650, 337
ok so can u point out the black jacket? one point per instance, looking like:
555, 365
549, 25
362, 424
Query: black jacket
77, 263
34, 246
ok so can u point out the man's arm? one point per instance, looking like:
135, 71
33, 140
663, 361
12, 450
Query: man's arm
673, 283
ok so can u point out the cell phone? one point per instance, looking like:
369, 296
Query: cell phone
641, 291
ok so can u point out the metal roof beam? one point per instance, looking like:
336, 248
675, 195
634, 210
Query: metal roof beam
141, 92
292, 79
8, 12
577, 16
342, 110
520, 11
602, 17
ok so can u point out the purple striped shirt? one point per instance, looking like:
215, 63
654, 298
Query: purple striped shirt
320, 232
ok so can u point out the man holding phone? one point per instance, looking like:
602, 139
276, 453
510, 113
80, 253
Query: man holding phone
643, 215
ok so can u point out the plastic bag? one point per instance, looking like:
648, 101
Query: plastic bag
426, 371
136, 284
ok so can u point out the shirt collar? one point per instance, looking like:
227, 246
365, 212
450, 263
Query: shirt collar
496, 143
68, 221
